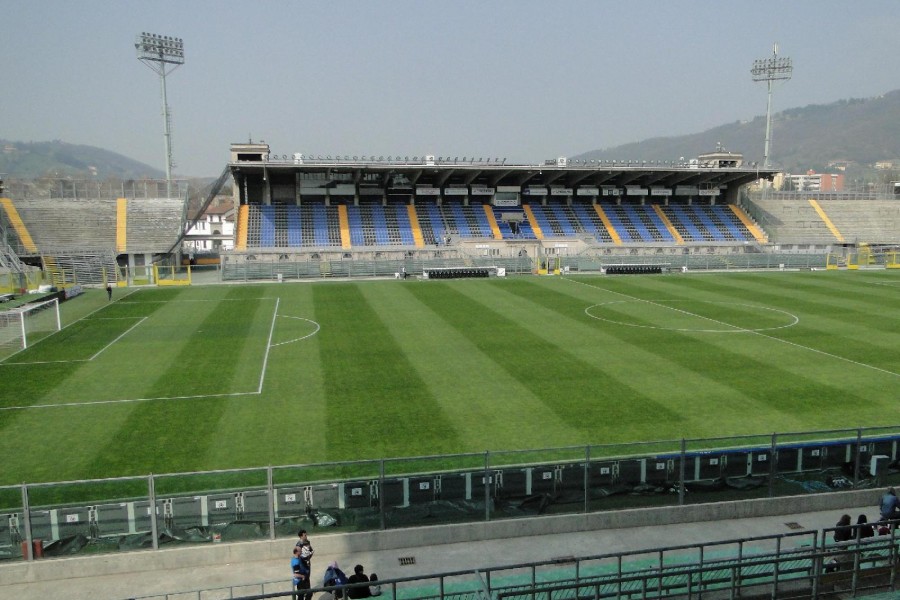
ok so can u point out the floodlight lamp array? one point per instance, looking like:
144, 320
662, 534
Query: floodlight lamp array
772, 69
160, 48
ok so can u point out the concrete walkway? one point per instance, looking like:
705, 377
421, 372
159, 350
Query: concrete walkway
428, 559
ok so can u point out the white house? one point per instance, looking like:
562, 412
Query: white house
213, 231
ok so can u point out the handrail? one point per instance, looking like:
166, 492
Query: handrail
694, 573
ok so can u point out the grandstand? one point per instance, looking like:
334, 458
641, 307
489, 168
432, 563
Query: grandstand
310, 204
828, 219
312, 208
80, 234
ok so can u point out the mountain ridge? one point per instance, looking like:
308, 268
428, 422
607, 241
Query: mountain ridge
30, 160
857, 130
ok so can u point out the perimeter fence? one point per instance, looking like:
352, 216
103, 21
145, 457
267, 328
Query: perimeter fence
271, 267
148, 512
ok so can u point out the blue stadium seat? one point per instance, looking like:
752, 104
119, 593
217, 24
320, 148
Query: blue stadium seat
681, 215
267, 226
295, 229
711, 228
732, 223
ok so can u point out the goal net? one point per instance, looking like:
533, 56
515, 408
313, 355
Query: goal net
23, 326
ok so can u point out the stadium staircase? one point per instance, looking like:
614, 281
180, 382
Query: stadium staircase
243, 218
492, 221
19, 226
345, 226
9, 260
418, 237
758, 234
591, 223
542, 220
608, 225
533, 221
621, 224
825, 219
122, 225
673, 231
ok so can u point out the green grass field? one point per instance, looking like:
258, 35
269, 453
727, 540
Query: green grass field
165, 380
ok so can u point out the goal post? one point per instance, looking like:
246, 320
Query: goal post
22, 326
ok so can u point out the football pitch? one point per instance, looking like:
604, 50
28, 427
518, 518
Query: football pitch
181, 379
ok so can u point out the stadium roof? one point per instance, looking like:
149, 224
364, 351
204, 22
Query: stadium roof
253, 163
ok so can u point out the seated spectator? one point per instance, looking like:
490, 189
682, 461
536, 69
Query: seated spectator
890, 505
864, 530
334, 576
359, 576
844, 531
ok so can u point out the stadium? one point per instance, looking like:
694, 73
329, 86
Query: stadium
435, 348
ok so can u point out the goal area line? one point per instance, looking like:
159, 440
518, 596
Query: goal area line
257, 392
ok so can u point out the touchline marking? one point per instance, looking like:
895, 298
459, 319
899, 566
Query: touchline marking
129, 400
789, 343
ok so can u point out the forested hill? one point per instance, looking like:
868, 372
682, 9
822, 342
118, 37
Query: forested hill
861, 131
28, 160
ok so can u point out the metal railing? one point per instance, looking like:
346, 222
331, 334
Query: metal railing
268, 503
805, 563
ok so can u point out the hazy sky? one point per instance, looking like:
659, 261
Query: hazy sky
520, 79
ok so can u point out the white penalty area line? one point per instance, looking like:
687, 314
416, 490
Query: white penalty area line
84, 318
98, 353
189, 301
754, 332
258, 391
123, 334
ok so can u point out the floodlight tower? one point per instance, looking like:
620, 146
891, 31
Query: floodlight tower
163, 54
771, 70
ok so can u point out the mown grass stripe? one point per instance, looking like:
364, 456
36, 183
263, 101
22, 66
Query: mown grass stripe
467, 383
581, 394
854, 330
634, 356
369, 380
182, 430
793, 383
